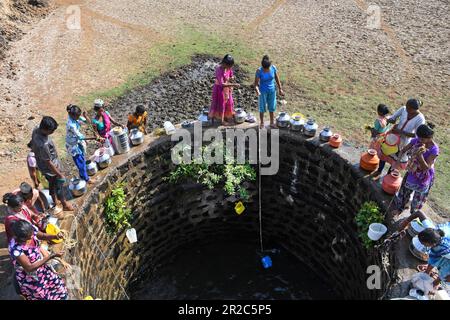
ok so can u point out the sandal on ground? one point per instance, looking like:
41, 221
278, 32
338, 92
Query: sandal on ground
274, 126
261, 126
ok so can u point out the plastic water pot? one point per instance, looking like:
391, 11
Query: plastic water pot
131, 235
53, 230
239, 208
376, 231
266, 262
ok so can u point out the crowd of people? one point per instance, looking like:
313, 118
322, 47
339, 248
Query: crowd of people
27, 214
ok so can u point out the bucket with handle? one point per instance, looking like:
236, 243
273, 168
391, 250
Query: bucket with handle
376, 231
239, 208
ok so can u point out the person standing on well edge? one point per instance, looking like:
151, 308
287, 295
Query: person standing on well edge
266, 89
47, 160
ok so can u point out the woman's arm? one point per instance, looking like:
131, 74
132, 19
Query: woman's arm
114, 122
405, 150
48, 237
30, 267
425, 165
277, 79
256, 84
395, 116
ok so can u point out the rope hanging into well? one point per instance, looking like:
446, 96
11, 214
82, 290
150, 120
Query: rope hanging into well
259, 192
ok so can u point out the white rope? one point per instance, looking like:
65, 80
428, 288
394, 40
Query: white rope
259, 191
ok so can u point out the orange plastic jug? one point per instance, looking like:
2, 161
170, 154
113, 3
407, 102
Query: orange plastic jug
369, 160
392, 182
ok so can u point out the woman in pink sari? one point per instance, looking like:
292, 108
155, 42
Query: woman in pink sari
103, 120
222, 104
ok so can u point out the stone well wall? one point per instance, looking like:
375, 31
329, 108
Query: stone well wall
308, 208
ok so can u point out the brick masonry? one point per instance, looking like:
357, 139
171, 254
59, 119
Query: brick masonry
308, 208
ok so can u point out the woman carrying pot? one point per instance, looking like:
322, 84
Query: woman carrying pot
222, 104
266, 83
75, 140
35, 279
410, 118
420, 170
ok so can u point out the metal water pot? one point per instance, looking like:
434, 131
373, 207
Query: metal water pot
418, 250
204, 118
310, 128
91, 167
283, 120
120, 140
102, 158
77, 187
136, 137
240, 116
297, 123
325, 134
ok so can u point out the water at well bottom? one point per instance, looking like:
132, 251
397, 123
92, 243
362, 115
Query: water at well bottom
233, 271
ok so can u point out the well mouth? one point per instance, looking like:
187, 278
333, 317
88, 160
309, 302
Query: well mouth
308, 214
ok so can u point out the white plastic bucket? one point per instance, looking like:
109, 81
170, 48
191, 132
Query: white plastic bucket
169, 127
131, 235
376, 231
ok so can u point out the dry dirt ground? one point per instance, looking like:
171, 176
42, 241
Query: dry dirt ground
52, 64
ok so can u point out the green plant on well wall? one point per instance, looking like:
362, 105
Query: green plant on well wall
230, 175
117, 215
368, 214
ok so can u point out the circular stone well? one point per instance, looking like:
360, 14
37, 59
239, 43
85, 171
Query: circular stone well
308, 209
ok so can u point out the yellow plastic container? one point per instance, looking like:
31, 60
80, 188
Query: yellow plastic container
88, 298
239, 208
53, 230
298, 114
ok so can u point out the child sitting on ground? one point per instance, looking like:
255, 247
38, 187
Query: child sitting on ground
138, 120
380, 125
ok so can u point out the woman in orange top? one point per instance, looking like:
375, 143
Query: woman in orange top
138, 119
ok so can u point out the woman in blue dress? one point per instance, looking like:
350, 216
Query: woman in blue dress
266, 83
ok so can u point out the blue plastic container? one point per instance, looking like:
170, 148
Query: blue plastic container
266, 262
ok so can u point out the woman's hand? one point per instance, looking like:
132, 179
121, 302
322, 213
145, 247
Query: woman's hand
85, 115
258, 93
60, 236
56, 255
281, 92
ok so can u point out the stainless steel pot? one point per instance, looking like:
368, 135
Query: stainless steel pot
120, 140
204, 118
283, 120
77, 187
136, 137
240, 116
418, 250
102, 158
310, 128
91, 167
325, 134
297, 123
